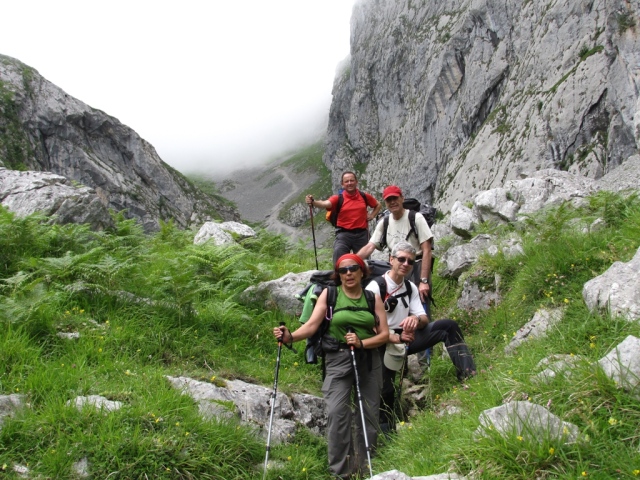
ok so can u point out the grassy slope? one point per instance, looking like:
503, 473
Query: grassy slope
180, 317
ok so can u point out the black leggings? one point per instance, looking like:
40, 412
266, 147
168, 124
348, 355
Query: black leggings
446, 331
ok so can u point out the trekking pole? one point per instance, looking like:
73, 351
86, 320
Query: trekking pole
273, 402
364, 425
403, 370
313, 233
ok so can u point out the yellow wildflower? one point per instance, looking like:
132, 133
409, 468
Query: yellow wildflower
552, 451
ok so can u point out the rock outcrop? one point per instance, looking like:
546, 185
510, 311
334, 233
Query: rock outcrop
450, 98
44, 129
24, 193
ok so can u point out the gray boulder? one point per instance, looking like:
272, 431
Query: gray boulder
25, 193
622, 364
478, 296
252, 404
625, 177
398, 475
239, 229
97, 401
616, 290
213, 232
9, 404
463, 220
547, 188
460, 258
526, 419
537, 327
495, 205
280, 293
557, 365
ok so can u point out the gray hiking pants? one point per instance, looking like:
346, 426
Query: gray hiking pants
347, 452
348, 241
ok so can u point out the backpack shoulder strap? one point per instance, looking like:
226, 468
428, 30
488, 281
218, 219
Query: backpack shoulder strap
334, 213
385, 229
364, 197
407, 285
382, 285
371, 301
412, 224
332, 296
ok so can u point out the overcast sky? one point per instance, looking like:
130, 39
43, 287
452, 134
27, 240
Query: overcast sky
210, 84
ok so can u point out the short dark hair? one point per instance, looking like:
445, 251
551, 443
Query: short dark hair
347, 173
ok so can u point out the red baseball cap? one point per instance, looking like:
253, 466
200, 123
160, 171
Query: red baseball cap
391, 191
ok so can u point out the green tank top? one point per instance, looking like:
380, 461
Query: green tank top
362, 321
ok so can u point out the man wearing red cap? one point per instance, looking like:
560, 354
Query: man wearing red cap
400, 230
352, 222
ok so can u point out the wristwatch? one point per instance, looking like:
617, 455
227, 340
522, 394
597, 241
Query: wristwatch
424, 280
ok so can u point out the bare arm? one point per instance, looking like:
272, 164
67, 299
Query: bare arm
309, 327
366, 251
326, 204
382, 330
375, 212
425, 271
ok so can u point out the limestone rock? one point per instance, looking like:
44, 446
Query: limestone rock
556, 365
9, 404
478, 297
97, 401
280, 292
239, 229
24, 193
622, 364
625, 177
526, 419
548, 188
494, 204
463, 220
537, 327
460, 258
617, 290
212, 231
450, 98
253, 405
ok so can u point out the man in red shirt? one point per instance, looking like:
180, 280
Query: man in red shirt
352, 225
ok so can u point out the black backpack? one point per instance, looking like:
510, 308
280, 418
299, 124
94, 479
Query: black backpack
318, 282
333, 217
413, 205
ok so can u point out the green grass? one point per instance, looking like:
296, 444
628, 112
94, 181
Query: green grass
147, 306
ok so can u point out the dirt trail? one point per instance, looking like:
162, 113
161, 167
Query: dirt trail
272, 223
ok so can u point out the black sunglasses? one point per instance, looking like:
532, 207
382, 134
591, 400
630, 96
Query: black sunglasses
350, 268
408, 261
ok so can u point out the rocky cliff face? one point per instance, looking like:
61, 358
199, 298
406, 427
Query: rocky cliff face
42, 128
452, 97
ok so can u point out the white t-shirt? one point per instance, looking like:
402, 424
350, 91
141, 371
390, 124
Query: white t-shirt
400, 312
399, 229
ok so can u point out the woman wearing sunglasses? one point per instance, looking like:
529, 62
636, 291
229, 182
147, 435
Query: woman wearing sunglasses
347, 455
